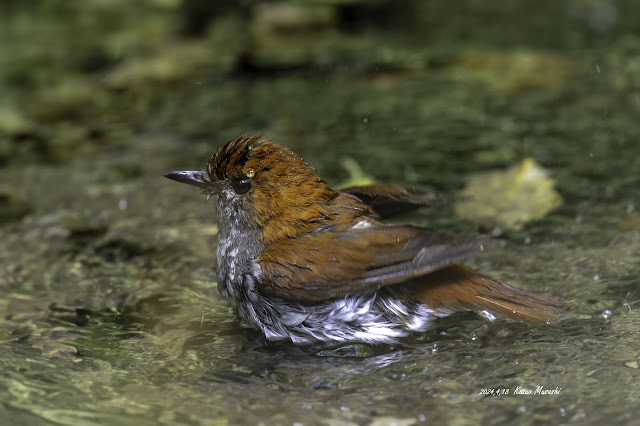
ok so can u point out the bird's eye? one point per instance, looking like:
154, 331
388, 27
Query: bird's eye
241, 184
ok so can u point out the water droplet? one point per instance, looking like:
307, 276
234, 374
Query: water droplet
606, 313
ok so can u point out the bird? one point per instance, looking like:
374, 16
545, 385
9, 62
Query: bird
305, 263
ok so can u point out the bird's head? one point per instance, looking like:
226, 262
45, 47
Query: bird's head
265, 183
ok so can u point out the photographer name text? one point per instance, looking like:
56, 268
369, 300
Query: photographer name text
519, 390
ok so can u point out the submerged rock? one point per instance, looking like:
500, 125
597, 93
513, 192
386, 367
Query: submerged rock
513, 71
629, 224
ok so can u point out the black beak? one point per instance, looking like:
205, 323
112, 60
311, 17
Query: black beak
195, 178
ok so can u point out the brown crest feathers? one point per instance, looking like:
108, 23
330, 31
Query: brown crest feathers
232, 157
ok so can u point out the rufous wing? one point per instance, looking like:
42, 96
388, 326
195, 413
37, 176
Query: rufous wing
327, 264
389, 200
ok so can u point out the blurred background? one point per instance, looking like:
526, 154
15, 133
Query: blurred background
524, 114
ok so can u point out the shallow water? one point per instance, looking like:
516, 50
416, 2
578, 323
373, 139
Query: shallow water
108, 308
